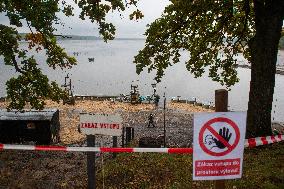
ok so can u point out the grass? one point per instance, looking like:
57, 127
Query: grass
263, 168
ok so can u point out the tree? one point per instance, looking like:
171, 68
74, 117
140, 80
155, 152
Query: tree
207, 29
31, 86
281, 42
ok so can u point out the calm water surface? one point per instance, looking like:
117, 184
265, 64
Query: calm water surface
112, 73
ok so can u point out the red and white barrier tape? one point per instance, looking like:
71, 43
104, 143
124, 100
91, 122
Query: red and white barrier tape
248, 143
252, 142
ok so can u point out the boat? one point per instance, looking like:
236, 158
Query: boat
91, 59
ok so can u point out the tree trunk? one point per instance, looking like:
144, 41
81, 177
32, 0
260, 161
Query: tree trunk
264, 48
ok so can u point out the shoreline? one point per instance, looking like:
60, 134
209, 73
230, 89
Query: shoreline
279, 69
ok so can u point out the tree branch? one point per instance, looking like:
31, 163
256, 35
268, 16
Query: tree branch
17, 68
29, 27
247, 11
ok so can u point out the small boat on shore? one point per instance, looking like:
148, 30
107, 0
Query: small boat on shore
91, 59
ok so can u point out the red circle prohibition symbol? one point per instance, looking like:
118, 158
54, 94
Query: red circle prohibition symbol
208, 126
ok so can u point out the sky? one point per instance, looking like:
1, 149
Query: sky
152, 9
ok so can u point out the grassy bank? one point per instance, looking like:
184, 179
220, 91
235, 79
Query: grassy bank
263, 168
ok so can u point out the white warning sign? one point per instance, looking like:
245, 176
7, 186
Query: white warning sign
101, 124
218, 145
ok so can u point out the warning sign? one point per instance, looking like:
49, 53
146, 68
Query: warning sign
218, 145
101, 124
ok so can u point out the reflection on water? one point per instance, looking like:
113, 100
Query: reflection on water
112, 73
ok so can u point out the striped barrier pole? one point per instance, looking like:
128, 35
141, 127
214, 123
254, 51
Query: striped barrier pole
253, 142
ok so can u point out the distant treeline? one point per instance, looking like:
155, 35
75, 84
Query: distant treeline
79, 37
76, 37
66, 37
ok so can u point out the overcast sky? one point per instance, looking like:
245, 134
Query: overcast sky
151, 9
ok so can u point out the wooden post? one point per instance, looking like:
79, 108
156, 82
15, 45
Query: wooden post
123, 137
128, 134
221, 100
132, 133
91, 163
114, 144
221, 105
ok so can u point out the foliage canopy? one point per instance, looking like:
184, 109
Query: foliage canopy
213, 32
40, 16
